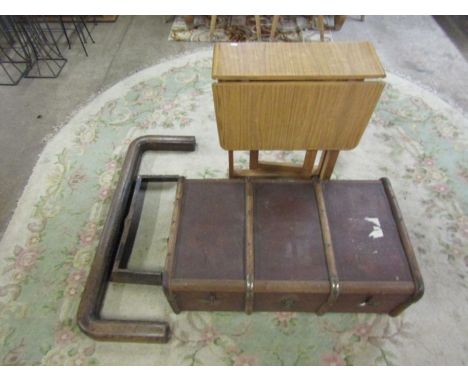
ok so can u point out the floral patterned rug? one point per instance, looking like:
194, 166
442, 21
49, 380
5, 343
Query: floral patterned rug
242, 28
415, 139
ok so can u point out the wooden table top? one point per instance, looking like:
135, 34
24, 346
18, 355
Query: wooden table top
296, 61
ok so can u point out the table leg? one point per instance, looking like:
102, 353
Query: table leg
231, 163
328, 164
309, 161
253, 164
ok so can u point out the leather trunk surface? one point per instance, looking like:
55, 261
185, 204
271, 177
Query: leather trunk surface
291, 272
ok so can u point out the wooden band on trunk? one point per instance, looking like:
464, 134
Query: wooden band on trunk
249, 250
329, 252
171, 246
408, 248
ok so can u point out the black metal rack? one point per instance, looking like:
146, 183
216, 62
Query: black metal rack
29, 45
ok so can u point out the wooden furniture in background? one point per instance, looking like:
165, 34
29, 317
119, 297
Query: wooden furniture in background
274, 25
258, 29
212, 25
321, 27
294, 96
338, 22
189, 21
319, 20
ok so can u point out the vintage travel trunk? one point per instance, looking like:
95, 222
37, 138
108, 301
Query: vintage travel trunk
289, 245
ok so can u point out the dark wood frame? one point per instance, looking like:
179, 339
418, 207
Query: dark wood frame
120, 272
89, 317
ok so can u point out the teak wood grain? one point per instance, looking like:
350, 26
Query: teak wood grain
296, 61
292, 115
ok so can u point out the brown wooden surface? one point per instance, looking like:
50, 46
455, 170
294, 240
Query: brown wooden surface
293, 115
296, 61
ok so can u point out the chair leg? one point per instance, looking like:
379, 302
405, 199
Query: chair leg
258, 28
189, 21
212, 25
231, 163
309, 161
274, 25
321, 27
339, 21
253, 163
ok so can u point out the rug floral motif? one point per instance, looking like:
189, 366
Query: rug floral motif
414, 138
243, 28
